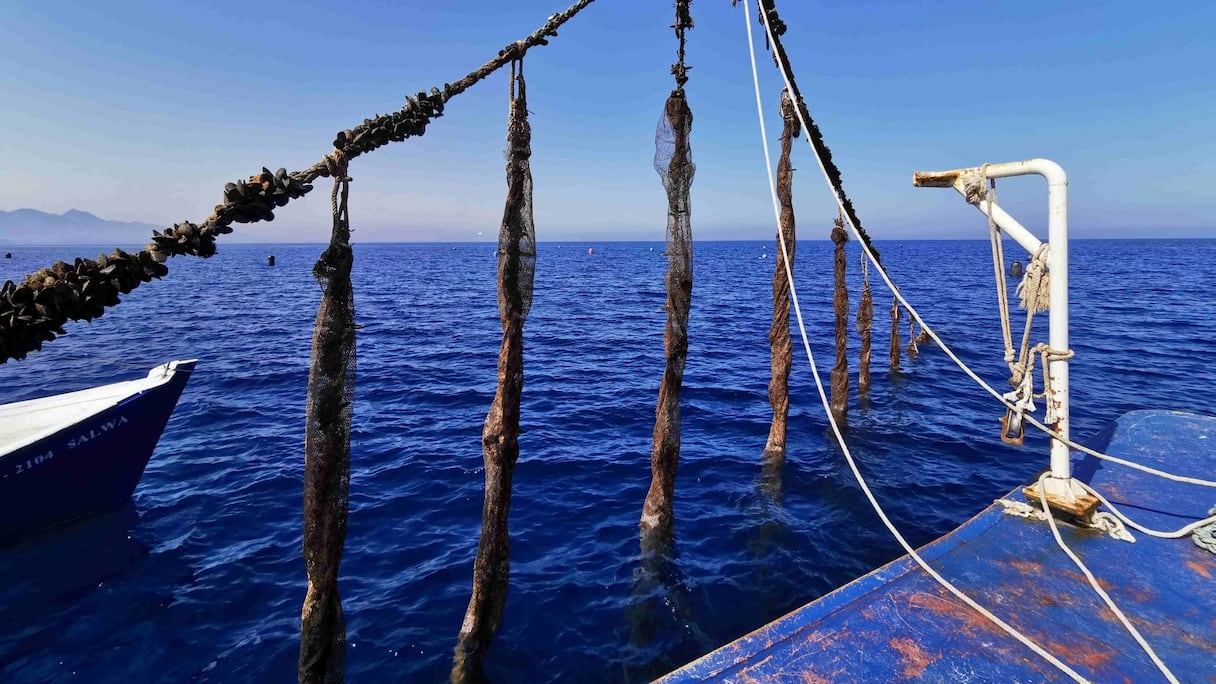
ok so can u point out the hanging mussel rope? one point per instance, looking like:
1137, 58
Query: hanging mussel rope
840, 306
781, 348
500, 436
34, 311
673, 162
895, 344
331, 386
865, 323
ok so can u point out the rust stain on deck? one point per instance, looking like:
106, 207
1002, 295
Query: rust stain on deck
915, 658
1204, 566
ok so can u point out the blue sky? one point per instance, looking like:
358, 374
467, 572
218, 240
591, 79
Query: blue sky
141, 111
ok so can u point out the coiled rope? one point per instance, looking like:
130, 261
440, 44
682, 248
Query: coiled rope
1205, 537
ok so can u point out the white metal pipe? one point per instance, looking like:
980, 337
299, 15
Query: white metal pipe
1009, 224
1057, 237
1060, 482
1057, 264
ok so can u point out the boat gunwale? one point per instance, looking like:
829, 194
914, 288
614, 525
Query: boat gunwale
94, 400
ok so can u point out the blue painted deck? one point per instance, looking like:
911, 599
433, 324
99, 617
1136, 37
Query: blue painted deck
897, 623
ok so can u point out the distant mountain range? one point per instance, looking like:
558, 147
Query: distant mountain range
30, 226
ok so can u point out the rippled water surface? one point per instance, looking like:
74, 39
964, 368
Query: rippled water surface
201, 579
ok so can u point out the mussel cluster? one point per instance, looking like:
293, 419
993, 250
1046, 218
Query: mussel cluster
409, 121
772, 19
255, 199
185, 238
34, 312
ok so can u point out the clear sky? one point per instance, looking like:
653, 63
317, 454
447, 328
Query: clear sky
141, 110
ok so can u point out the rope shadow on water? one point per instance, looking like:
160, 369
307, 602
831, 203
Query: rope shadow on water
659, 613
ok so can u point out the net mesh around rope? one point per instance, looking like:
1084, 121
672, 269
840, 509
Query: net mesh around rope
673, 162
517, 237
331, 384
500, 434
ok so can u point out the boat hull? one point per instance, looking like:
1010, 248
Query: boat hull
88, 467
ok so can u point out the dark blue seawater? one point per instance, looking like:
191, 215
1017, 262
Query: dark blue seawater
201, 579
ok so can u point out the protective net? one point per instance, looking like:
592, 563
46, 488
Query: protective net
673, 162
500, 435
331, 383
517, 236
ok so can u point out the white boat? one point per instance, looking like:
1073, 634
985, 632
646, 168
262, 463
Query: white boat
73, 455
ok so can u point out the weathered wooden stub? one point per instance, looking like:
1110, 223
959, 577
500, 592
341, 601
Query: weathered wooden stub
500, 435
780, 345
331, 384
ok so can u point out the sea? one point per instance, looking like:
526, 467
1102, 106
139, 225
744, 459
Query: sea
200, 578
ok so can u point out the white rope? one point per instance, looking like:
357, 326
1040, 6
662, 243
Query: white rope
1093, 582
1176, 534
1130, 464
998, 267
819, 383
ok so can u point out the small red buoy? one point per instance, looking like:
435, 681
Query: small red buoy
591, 251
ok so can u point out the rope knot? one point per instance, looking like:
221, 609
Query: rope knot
336, 163
1034, 291
975, 185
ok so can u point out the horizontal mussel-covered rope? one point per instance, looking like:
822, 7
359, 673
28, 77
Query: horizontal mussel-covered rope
34, 311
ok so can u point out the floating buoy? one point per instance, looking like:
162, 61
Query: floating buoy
1015, 269
591, 251
270, 260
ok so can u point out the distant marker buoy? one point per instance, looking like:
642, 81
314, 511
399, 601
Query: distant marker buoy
591, 251
1015, 269
270, 260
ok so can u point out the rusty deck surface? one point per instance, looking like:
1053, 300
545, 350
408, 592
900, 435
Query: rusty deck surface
897, 624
